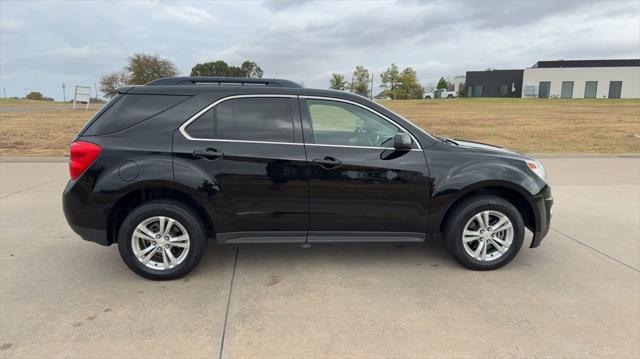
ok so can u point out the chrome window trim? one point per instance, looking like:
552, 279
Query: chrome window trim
368, 109
184, 133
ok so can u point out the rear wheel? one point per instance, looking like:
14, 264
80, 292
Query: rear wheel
427, 97
449, 96
484, 232
162, 240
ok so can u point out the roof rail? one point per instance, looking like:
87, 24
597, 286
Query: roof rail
222, 81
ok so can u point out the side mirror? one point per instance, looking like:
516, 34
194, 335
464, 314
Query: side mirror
402, 142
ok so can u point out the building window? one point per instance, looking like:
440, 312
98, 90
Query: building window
530, 91
503, 91
615, 89
543, 89
567, 89
469, 91
477, 91
590, 89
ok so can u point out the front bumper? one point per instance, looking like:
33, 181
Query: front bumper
543, 211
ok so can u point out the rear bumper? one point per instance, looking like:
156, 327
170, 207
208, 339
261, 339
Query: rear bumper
92, 235
544, 210
88, 221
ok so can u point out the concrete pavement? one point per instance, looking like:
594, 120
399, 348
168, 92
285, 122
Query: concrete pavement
578, 295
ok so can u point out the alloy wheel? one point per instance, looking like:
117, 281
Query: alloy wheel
487, 236
160, 242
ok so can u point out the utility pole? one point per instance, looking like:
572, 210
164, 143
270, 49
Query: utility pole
64, 93
371, 90
4, 90
96, 88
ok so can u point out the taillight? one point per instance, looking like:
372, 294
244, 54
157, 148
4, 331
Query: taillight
81, 156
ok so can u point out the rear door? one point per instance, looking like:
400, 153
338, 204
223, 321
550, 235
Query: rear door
250, 164
360, 188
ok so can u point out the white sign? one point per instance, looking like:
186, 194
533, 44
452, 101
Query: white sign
83, 94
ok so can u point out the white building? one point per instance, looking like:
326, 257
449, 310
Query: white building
583, 79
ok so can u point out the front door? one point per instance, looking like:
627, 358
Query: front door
360, 188
247, 160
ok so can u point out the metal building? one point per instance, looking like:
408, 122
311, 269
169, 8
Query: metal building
583, 79
494, 83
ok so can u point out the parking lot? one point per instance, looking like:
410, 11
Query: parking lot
577, 295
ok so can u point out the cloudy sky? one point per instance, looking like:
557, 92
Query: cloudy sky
46, 43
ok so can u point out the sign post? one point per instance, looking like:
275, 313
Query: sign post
83, 94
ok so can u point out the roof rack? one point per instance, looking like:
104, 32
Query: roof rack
222, 81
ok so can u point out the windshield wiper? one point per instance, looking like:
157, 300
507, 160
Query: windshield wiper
444, 139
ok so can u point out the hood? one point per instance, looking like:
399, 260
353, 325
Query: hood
478, 147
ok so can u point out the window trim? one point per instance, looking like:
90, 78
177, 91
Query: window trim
184, 133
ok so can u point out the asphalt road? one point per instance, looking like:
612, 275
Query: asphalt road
578, 295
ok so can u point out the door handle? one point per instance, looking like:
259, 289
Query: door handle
209, 153
328, 163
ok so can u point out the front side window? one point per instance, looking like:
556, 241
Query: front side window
249, 119
344, 124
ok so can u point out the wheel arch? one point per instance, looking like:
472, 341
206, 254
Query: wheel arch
139, 196
512, 193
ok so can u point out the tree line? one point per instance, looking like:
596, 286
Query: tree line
143, 68
395, 84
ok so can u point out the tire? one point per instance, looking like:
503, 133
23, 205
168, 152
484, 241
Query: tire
159, 265
464, 216
427, 97
449, 96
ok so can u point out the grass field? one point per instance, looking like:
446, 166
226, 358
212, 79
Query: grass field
36, 128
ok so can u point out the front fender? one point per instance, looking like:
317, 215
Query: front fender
456, 174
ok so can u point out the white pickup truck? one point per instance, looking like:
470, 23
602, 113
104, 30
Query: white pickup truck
440, 93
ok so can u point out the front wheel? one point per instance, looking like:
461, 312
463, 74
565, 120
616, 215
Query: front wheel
162, 240
450, 96
427, 97
484, 232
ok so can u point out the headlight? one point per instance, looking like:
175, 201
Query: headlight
537, 168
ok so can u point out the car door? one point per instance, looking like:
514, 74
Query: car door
244, 158
360, 188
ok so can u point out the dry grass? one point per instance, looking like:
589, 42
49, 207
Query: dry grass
606, 126
532, 125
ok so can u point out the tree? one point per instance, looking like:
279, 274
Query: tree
34, 95
390, 81
251, 69
410, 85
442, 84
337, 82
361, 79
221, 69
109, 83
212, 68
144, 68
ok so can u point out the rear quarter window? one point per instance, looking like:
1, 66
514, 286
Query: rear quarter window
131, 110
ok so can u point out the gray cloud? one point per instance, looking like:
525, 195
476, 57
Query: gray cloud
44, 44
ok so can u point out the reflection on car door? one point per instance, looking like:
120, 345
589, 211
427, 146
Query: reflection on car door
252, 150
361, 189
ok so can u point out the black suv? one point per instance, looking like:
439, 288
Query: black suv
165, 167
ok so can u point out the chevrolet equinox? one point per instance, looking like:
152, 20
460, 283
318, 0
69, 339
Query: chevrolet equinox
165, 167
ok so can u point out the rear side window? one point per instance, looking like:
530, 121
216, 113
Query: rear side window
249, 119
130, 110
